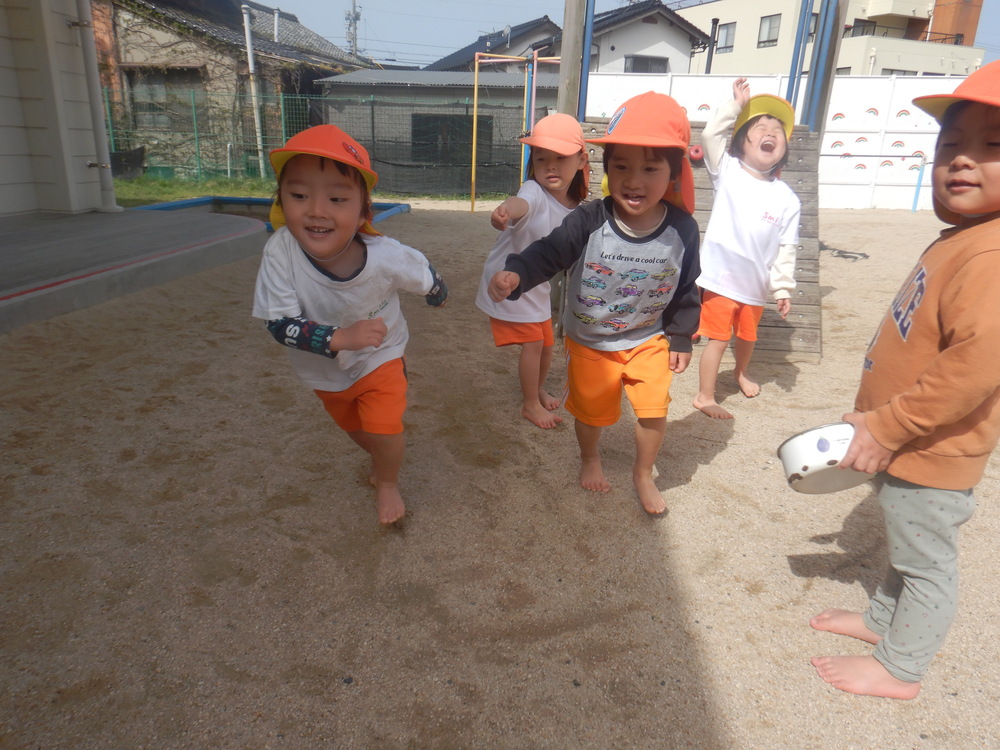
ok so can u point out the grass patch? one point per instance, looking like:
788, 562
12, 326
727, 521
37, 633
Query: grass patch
146, 190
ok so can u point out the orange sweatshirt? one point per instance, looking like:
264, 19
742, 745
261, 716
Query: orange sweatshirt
931, 379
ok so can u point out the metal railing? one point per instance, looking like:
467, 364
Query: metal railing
891, 32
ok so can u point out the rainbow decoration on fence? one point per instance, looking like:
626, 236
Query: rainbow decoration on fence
903, 113
861, 139
914, 167
872, 111
703, 108
838, 116
921, 154
837, 144
860, 166
886, 163
898, 144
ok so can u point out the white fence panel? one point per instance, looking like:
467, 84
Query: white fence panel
876, 147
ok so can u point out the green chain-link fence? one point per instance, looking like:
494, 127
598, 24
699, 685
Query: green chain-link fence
417, 146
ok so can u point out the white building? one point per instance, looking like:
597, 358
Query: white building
879, 37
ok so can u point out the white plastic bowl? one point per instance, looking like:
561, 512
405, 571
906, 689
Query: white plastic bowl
812, 458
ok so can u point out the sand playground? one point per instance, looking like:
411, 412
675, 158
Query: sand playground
191, 557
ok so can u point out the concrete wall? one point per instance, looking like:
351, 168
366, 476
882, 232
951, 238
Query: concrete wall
46, 136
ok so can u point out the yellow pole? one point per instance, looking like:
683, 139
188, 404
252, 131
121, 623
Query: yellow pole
527, 122
475, 130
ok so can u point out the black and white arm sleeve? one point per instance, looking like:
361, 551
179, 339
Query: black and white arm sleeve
299, 333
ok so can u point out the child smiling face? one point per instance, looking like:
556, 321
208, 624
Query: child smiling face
637, 180
966, 173
764, 145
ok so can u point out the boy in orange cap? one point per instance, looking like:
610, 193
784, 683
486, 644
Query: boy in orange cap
633, 304
328, 288
749, 248
927, 412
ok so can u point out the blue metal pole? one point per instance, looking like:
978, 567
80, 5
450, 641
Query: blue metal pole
920, 180
817, 71
588, 38
799, 52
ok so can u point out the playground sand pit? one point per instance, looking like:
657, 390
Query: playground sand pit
192, 559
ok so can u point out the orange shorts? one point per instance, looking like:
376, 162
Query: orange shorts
721, 316
506, 332
374, 404
597, 378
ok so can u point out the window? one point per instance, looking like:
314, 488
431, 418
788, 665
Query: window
843, 71
812, 27
768, 34
897, 72
643, 64
168, 100
447, 139
727, 35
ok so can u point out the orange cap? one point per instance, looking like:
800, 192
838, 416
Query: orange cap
557, 132
982, 87
655, 121
329, 142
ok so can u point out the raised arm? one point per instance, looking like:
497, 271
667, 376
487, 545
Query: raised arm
713, 137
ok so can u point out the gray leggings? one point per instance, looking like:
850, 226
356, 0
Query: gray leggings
915, 605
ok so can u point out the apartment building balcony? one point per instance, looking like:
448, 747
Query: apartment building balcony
905, 8
892, 32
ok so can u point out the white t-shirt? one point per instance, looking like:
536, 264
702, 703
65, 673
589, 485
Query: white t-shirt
289, 285
750, 219
545, 213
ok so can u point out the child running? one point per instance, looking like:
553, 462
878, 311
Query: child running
633, 304
556, 184
753, 230
928, 407
327, 287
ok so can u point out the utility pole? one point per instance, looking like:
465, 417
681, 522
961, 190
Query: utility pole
571, 57
353, 16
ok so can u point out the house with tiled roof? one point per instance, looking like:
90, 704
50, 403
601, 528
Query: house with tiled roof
642, 37
177, 74
518, 41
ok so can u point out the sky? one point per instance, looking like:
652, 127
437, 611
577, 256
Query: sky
419, 32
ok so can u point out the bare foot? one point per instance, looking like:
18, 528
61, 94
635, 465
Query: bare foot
592, 476
547, 400
863, 675
747, 387
650, 497
389, 504
844, 622
711, 408
539, 416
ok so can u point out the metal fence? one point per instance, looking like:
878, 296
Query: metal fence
417, 146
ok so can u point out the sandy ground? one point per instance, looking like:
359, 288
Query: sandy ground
191, 557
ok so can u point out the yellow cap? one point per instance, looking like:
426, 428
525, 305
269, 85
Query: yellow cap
767, 104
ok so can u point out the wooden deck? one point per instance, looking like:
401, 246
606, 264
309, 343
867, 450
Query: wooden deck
796, 339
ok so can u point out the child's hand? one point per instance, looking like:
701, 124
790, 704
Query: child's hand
359, 335
500, 217
679, 361
741, 92
865, 453
502, 284
784, 305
